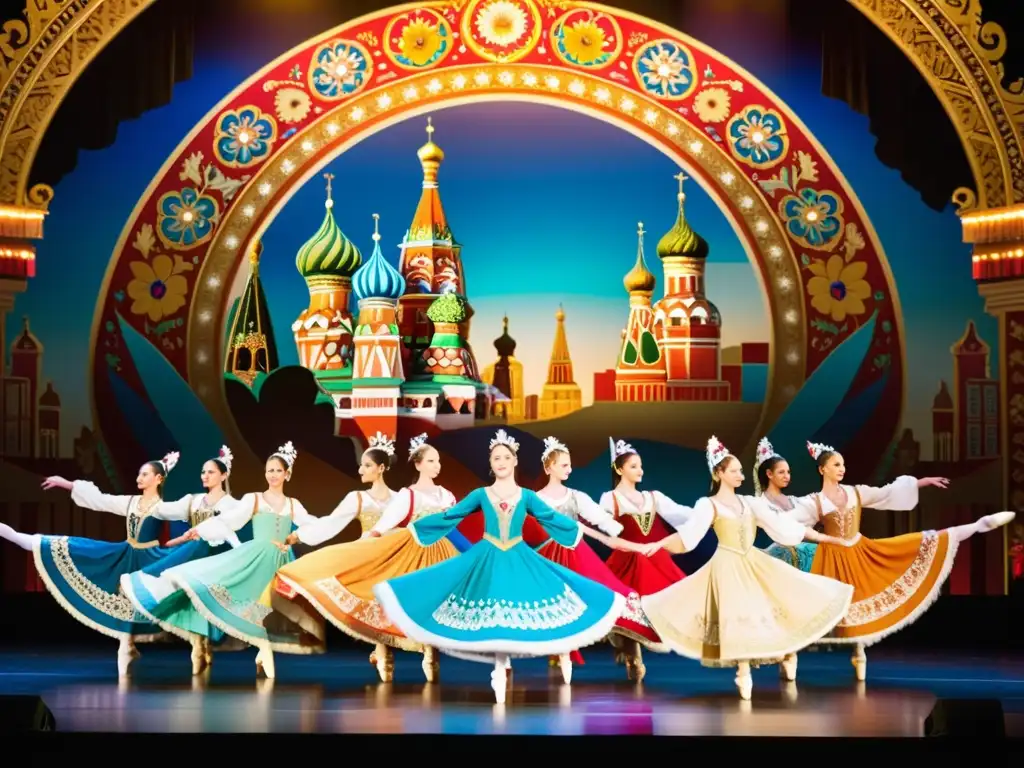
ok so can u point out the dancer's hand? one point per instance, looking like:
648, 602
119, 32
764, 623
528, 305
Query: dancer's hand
647, 550
282, 546
291, 538
190, 535
938, 482
175, 542
56, 481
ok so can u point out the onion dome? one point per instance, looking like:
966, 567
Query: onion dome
377, 279
639, 278
27, 341
430, 153
681, 240
328, 253
505, 344
49, 398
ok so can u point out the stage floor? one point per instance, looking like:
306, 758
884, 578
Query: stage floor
339, 693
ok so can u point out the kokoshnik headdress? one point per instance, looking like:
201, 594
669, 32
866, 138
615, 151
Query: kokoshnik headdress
226, 457
417, 442
716, 453
382, 442
288, 453
764, 452
169, 461
816, 449
551, 445
501, 437
619, 448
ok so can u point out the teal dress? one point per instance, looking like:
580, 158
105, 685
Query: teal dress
500, 596
800, 556
229, 593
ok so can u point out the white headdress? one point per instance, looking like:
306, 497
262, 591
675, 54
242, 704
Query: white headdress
764, 452
226, 457
417, 442
716, 453
619, 448
288, 453
816, 449
552, 444
382, 442
501, 437
170, 461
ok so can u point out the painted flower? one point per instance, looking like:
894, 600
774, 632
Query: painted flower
712, 105
339, 69
421, 42
244, 137
813, 218
501, 23
664, 70
292, 105
186, 219
757, 137
156, 288
583, 42
838, 289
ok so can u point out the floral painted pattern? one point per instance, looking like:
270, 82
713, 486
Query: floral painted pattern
757, 137
186, 218
292, 105
501, 30
339, 69
157, 288
586, 38
418, 40
712, 104
664, 68
838, 289
813, 218
244, 137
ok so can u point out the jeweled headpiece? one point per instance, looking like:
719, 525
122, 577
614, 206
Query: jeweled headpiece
417, 442
288, 453
170, 461
382, 442
716, 453
552, 444
816, 449
501, 437
764, 452
619, 448
226, 457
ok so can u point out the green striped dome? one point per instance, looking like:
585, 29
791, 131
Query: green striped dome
328, 253
681, 240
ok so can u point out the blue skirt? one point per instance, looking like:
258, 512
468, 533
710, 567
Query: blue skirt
801, 556
489, 600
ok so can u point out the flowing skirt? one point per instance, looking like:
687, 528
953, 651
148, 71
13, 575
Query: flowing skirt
84, 576
644, 575
337, 582
894, 581
746, 607
801, 556
495, 600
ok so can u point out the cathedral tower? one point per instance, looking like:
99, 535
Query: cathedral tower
251, 347
561, 394
640, 370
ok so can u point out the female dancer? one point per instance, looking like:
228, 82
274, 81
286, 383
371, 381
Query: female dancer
144, 587
583, 560
500, 597
742, 607
771, 478
83, 575
229, 591
894, 580
644, 515
338, 581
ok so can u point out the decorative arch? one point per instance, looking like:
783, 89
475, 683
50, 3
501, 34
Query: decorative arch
820, 261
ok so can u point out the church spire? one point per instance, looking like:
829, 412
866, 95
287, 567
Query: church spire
561, 395
251, 347
560, 365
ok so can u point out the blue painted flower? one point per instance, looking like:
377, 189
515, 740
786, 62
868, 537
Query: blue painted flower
339, 69
186, 219
665, 69
244, 137
813, 218
757, 137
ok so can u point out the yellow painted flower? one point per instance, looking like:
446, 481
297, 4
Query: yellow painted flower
420, 41
292, 105
501, 23
838, 289
157, 289
712, 105
584, 41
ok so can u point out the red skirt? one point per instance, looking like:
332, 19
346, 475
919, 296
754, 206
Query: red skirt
645, 575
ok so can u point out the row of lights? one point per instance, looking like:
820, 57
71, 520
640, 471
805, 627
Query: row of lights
25, 254
985, 218
1017, 253
27, 214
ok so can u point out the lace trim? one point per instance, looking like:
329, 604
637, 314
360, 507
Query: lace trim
115, 605
251, 611
473, 615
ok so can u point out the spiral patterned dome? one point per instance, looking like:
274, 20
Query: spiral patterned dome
377, 279
681, 240
328, 253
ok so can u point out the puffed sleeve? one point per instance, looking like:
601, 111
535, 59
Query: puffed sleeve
216, 530
607, 502
432, 528
174, 511
562, 529
806, 510
325, 528
701, 518
395, 512
87, 495
901, 495
596, 515
783, 528
300, 515
672, 513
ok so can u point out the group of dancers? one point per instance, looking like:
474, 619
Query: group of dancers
530, 587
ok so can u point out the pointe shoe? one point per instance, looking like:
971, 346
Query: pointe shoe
565, 665
787, 669
126, 656
998, 520
431, 665
385, 663
636, 670
790, 693
859, 660
499, 682
265, 663
745, 684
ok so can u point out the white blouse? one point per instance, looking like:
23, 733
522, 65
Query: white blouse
222, 528
781, 527
350, 507
654, 502
87, 495
901, 495
576, 504
422, 503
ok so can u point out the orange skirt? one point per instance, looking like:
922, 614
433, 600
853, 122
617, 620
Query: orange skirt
894, 581
338, 582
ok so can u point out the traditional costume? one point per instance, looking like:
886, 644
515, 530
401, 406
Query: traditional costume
799, 555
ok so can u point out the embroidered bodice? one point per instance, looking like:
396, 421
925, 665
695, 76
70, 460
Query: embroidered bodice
577, 505
268, 524
144, 518
736, 528
370, 509
843, 523
900, 495
202, 510
653, 520
735, 532
142, 527
424, 504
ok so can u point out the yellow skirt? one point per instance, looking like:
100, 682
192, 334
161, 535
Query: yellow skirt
338, 582
894, 581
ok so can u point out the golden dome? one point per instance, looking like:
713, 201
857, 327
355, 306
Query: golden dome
639, 278
430, 152
681, 240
